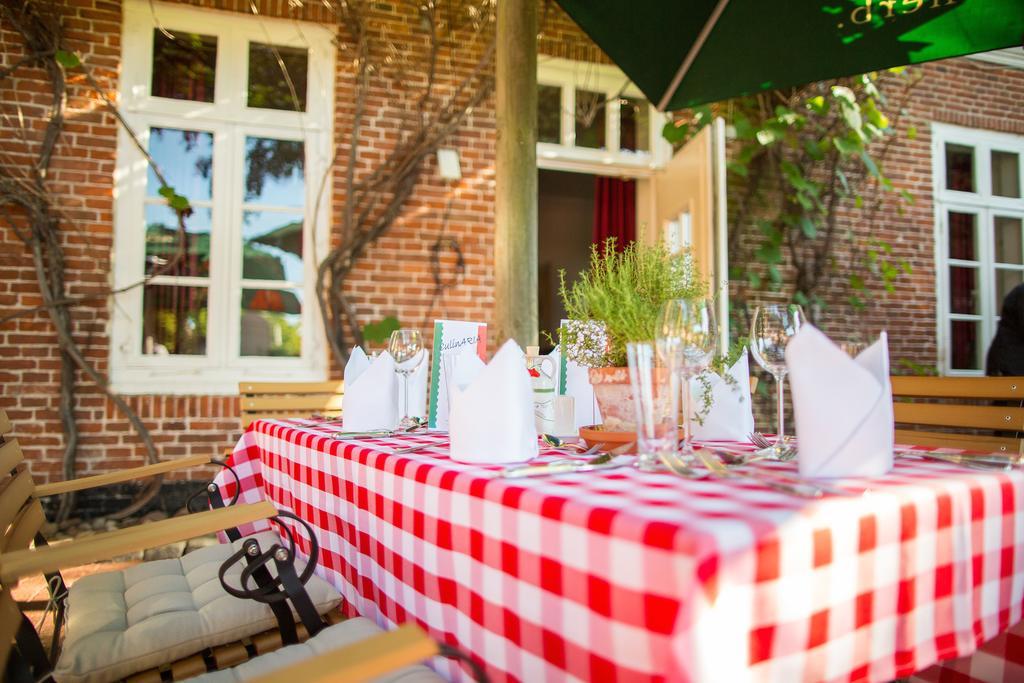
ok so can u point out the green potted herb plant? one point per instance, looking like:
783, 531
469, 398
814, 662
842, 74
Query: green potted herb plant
617, 301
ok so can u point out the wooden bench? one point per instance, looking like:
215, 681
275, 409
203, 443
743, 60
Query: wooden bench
973, 413
289, 399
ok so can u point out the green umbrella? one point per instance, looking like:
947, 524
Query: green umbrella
684, 53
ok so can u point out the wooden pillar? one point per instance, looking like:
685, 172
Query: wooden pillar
515, 207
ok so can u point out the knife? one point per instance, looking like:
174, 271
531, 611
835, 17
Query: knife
601, 462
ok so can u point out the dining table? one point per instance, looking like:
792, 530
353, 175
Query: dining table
620, 574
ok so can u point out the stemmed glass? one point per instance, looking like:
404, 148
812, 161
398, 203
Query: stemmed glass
770, 331
406, 347
689, 326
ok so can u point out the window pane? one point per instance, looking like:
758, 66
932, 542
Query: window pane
186, 159
1005, 174
959, 167
1009, 233
271, 322
964, 345
962, 236
183, 65
1006, 280
634, 128
272, 248
274, 171
268, 87
173, 320
162, 243
590, 116
963, 290
549, 114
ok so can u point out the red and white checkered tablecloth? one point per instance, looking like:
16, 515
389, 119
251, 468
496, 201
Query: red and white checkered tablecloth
634, 576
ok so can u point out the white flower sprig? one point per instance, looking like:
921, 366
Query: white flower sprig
586, 343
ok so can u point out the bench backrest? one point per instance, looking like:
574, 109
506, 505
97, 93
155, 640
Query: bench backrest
289, 399
974, 413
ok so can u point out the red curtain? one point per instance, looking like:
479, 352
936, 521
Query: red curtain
615, 211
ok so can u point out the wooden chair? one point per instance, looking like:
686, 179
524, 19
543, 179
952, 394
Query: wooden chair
289, 399
973, 413
365, 659
21, 517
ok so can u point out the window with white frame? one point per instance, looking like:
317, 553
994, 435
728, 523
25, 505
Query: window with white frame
589, 117
246, 142
979, 238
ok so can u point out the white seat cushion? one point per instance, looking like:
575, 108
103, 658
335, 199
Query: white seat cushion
123, 622
331, 638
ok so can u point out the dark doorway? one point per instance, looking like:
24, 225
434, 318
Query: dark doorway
565, 221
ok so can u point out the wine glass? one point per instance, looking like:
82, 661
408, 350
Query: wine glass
689, 326
770, 331
406, 347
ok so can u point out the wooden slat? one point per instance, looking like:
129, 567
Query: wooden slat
951, 415
363, 661
5, 423
229, 655
10, 620
121, 475
16, 565
1008, 388
10, 456
188, 668
24, 528
311, 402
248, 418
970, 442
13, 496
329, 387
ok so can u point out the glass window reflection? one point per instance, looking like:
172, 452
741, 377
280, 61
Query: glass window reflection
272, 246
184, 65
271, 322
268, 87
186, 159
163, 247
274, 171
174, 320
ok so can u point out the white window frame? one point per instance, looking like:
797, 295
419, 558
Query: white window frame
986, 206
571, 75
230, 121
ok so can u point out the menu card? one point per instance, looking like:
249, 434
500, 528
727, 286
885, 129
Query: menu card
452, 338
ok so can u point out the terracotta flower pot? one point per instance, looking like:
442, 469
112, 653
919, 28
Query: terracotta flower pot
614, 397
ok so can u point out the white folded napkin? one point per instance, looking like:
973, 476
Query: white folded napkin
370, 400
842, 406
730, 417
465, 368
417, 390
491, 420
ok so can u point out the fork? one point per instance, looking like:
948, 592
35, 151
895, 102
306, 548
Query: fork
719, 470
784, 454
675, 465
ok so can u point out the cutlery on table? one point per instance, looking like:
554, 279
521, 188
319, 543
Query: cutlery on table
978, 462
601, 462
418, 447
716, 468
678, 467
761, 441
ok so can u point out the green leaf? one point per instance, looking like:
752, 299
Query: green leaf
179, 203
380, 331
818, 104
769, 254
844, 95
857, 303
911, 132
808, 228
167, 192
737, 168
800, 299
907, 197
754, 279
744, 128
68, 60
843, 181
869, 163
766, 136
857, 282
846, 146
774, 274
676, 132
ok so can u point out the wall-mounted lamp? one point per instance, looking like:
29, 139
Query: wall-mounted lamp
448, 164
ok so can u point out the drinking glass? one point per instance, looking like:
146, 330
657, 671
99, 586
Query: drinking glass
770, 331
654, 379
690, 326
406, 347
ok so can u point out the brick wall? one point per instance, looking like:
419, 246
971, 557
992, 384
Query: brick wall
394, 278
964, 92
